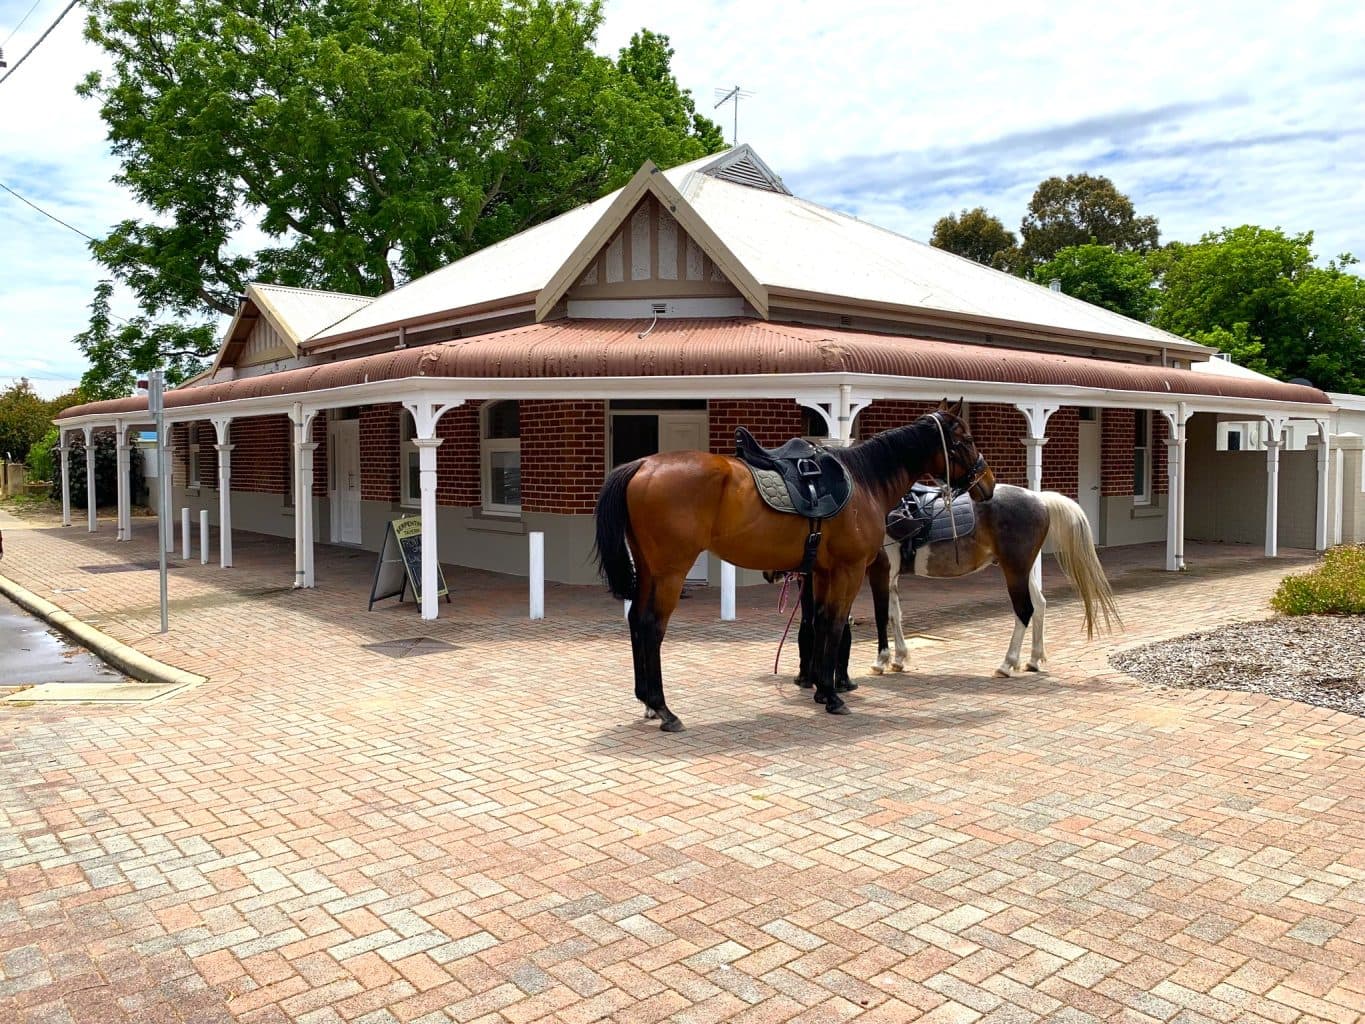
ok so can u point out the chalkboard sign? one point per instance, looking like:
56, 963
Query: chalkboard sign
400, 563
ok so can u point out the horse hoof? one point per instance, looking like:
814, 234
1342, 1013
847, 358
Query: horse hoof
838, 709
819, 698
803, 682
1002, 672
876, 670
672, 725
897, 668
1036, 668
650, 714
847, 686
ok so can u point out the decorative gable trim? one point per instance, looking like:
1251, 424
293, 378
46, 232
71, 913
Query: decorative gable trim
648, 180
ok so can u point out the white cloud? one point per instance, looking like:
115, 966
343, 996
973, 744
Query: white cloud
1207, 114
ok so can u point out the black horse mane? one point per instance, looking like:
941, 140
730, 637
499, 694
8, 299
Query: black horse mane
882, 456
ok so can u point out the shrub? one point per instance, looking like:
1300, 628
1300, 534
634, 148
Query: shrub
42, 464
1335, 587
106, 470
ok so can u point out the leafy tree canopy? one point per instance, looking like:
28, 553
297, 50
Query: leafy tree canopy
1118, 281
369, 141
119, 351
1080, 209
978, 236
25, 418
1255, 293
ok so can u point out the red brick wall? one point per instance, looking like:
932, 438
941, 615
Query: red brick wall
457, 460
997, 430
320, 475
208, 454
884, 415
563, 456
379, 439
1116, 452
260, 454
1161, 430
1062, 451
772, 421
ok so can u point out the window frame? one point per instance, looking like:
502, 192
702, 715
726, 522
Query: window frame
489, 446
1143, 497
407, 452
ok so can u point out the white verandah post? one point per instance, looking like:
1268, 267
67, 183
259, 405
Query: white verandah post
302, 420
1175, 487
1272, 492
1324, 442
425, 415
223, 430
90, 478
124, 465
65, 450
1036, 417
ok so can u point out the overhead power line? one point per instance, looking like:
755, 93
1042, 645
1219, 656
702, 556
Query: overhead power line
49, 216
17, 27
65, 10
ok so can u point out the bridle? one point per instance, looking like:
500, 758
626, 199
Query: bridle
978, 470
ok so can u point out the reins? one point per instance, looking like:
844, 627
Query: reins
787, 578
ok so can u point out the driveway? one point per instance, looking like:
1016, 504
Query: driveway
479, 826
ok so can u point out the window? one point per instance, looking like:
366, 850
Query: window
194, 455
500, 457
1142, 457
1234, 440
409, 468
813, 424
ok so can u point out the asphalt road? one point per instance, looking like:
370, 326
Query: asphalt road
32, 653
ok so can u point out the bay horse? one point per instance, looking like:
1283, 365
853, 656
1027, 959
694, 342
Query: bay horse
657, 514
1010, 532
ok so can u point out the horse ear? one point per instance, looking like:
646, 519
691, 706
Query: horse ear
957, 409
943, 405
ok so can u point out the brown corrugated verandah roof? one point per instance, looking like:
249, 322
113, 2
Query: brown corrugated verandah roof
567, 349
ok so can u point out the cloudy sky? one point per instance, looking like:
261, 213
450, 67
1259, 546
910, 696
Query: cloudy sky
1207, 115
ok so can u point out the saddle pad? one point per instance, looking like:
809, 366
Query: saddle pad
772, 489
962, 520
921, 518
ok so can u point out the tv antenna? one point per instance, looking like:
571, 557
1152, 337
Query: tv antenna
727, 95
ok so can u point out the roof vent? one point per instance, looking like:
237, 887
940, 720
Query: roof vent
845, 320
1055, 284
659, 308
1226, 357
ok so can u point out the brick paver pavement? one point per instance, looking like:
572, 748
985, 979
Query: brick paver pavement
490, 832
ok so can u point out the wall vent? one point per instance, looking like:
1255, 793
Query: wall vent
845, 320
660, 308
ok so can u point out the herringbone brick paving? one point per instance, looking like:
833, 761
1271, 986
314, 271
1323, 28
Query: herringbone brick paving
490, 833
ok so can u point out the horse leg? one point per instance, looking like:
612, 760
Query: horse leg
878, 579
656, 597
833, 599
805, 637
1017, 583
842, 682
897, 627
1035, 662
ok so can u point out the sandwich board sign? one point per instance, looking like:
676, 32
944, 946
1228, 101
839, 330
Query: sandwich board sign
400, 563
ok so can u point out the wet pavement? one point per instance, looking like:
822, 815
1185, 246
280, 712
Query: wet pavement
30, 653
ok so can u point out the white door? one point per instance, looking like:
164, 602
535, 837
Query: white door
343, 449
679, 432
1088, 473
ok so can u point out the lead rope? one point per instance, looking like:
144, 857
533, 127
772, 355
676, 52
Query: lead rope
781, 605
946, 488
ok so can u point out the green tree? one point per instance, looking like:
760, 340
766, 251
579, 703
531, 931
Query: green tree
1257, 294
370, 141
978, 236
119, 352
1079, 209
1118, 281
23, 419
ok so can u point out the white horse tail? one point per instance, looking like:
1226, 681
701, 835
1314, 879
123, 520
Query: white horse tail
1069, 531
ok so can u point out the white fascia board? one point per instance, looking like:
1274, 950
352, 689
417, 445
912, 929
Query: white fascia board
870, 387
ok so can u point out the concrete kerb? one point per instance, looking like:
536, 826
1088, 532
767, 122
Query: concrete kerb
164, 679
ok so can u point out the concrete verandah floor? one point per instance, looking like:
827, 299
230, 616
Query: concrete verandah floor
489, 832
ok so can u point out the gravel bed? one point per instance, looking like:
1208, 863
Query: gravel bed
1317, 659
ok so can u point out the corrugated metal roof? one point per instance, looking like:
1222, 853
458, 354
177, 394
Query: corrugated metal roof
612, 348
786, 243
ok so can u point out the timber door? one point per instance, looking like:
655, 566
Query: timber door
343, 447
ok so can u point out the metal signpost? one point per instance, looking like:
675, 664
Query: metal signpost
155, 405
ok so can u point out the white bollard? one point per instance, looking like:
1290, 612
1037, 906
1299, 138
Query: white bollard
727, 592
203, 536
537, 575
185, 534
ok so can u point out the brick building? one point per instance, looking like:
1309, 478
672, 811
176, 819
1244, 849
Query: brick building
493, 395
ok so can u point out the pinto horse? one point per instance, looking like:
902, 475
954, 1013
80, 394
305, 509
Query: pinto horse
1010, 532
657, 514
